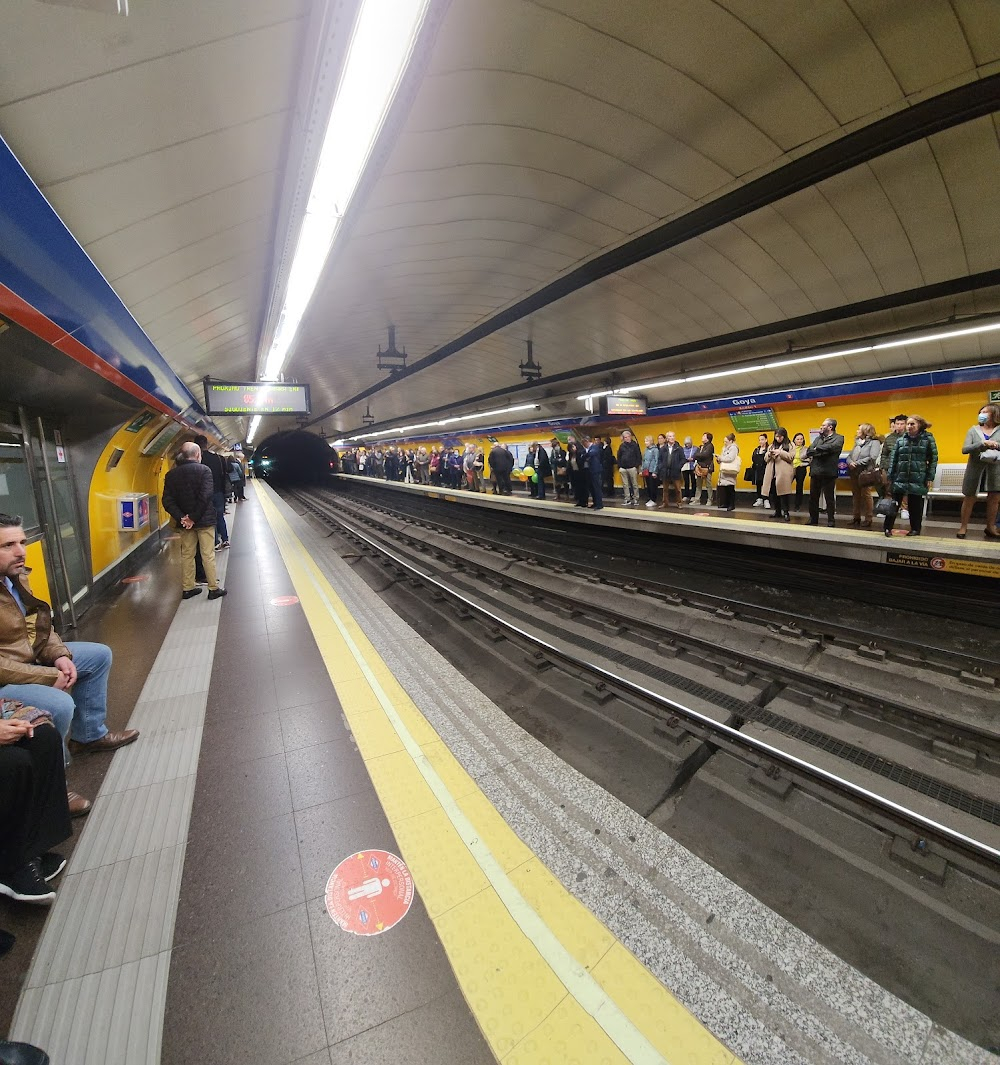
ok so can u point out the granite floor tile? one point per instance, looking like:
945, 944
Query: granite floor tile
245, 694
256, 736
324, 772
238, 875
332, 831
322, 1058
247, 995
305, 726
367, 980
286, 620
441, 1031
240, 793
303, 688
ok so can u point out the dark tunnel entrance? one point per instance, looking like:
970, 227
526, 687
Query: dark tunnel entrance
295, 457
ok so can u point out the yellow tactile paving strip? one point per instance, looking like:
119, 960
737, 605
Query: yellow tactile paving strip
544, 978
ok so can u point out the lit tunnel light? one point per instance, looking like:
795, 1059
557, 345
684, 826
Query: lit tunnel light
379, 51
777, 364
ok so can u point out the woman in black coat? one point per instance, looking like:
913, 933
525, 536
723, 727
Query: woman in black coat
576, 459
758, 463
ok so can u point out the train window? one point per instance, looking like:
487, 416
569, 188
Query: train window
116, 457
16, 494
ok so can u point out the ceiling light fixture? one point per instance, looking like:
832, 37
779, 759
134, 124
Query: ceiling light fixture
777, 364
530, 370
379, 51
400, 430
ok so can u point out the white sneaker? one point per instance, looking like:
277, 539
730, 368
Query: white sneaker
758, 502
651, 503
767, 505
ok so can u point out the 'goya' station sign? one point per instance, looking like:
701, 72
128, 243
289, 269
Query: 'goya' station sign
256, 397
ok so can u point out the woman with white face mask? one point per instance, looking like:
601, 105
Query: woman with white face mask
982, 474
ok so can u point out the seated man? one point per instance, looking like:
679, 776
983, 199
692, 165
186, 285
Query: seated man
34, 814
38, 669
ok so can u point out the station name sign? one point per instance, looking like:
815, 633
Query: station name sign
633, 405
256, 397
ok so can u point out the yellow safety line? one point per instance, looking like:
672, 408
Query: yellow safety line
649, 1014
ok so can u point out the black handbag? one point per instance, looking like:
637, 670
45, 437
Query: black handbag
886, 508
748, 475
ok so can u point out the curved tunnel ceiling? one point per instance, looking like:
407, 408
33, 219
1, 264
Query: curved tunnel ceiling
544, 136
538, 139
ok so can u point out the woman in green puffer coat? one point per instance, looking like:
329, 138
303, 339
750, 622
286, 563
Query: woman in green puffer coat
911, 471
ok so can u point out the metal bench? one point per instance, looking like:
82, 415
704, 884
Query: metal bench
947, 482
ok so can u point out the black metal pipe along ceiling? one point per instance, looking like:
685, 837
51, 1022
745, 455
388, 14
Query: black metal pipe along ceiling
949, 109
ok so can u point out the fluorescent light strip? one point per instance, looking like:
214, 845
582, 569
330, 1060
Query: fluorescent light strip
402, 429
379, 51
777, 364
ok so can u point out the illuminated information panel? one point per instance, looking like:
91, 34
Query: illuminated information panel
256, 397
623, 404
753, 419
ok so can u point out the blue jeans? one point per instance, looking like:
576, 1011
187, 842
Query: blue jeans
79, 713
221, 530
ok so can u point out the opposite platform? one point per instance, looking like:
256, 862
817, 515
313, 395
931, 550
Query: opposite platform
936, 551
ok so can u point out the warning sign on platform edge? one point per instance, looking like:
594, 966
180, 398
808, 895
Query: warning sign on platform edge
973, 567
369, 892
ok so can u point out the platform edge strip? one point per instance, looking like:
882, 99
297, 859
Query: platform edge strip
593, 998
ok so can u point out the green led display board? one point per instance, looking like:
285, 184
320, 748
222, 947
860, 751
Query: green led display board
754, 420
256, 397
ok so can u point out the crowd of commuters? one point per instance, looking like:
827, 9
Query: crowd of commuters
897, 469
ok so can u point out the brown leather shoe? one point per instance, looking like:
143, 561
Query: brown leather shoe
78, 805
111, 742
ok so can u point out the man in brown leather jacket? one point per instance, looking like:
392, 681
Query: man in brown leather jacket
70, 681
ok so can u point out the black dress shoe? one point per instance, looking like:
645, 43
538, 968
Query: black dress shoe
831, 524
190, 593
812, 523
21, 1054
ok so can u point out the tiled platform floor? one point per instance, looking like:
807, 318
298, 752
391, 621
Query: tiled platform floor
259, 971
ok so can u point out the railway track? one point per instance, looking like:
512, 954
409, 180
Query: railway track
928, 769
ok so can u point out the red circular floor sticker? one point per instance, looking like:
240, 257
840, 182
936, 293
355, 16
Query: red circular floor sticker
284, 600
136, 580
369, 892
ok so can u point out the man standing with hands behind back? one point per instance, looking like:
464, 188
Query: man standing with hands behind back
188, 498
825, 453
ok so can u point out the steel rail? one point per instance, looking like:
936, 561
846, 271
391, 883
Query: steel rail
733, 736
808, 627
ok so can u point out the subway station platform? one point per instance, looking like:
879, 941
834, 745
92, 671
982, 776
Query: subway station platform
296, 735
936, 550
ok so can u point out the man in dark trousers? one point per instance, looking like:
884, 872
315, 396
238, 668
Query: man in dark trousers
560, 468
629, 461
34, 813
220, 486
595, 472
825, 453
501, 463
187, 498
668, 470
